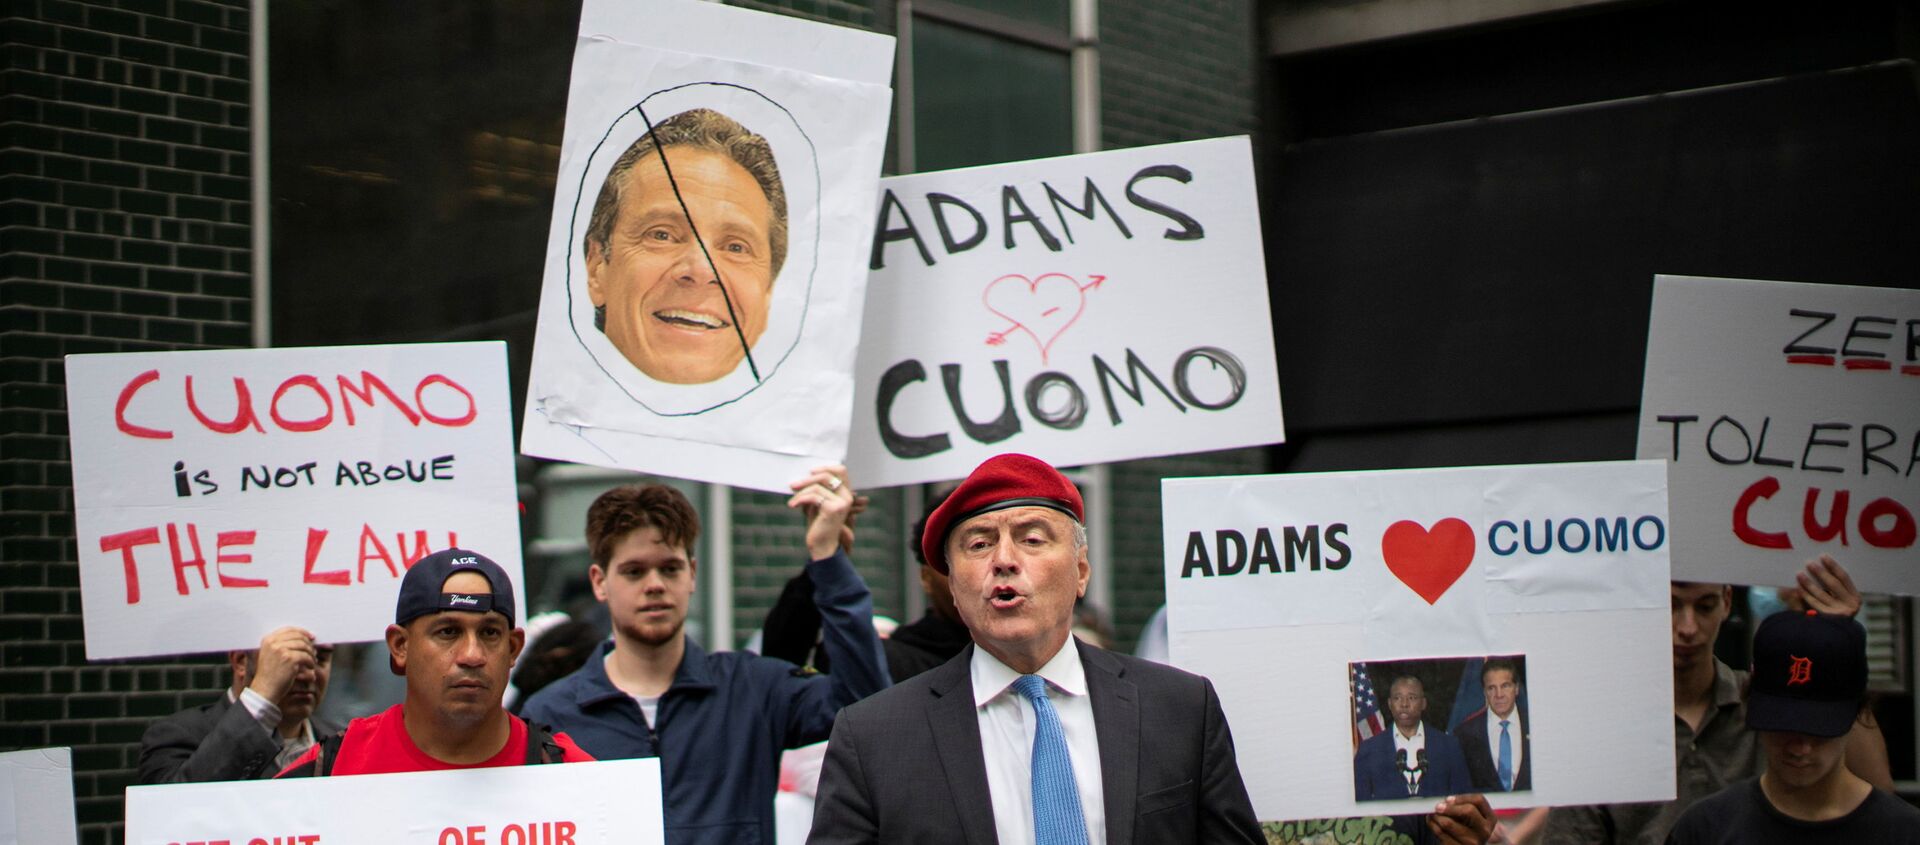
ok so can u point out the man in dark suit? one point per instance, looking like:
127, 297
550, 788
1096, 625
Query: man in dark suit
1029, 736
1407, 760
1499, 755
259, 724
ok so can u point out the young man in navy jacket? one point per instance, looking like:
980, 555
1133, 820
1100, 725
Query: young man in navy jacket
718, 721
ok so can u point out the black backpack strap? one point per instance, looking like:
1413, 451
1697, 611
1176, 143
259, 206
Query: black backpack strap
541, 746
329, 750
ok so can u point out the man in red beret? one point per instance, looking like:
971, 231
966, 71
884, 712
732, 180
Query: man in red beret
1030, 736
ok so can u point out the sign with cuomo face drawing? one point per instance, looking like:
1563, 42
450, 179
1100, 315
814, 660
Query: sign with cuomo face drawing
704, 278
222, 494
1789, 415
1373, 636
1088, 308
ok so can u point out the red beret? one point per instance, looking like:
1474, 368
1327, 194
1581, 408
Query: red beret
1003, 481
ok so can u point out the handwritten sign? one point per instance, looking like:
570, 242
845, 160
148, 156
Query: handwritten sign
570, 804
1286, 590
1790, 414
704, 277
222, 494
1087, 308
36, 797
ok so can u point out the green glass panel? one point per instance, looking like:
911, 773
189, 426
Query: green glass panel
1048, 13
978, 99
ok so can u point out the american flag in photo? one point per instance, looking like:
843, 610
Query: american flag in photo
1366, 706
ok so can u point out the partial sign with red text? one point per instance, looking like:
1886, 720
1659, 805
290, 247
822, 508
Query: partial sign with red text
614, 801
222, 494
1790, 414
1373, 635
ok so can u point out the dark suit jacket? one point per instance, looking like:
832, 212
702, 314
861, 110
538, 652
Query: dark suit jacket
1481, 766
1376, 777
905, 765
216, 741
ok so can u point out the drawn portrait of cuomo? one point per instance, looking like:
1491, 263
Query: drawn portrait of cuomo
685, 242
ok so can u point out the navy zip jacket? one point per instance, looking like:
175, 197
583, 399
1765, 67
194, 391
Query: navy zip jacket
727, 716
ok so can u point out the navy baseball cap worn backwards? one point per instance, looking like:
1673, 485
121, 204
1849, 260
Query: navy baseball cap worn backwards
420, 592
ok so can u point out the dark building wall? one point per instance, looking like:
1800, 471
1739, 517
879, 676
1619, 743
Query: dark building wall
126, 227
1463, 228
124, 149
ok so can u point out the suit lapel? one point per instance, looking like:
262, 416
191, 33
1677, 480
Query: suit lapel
1116, 721
956, 738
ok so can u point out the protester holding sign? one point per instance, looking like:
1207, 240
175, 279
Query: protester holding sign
1712, 746
1808, 690
718, 721
1063, 741
264, 721
454, 639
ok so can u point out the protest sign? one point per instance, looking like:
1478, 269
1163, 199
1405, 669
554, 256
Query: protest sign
222, 494
1790, 414
704, 277
1086, 308
36, 797
1537, 592
613, 801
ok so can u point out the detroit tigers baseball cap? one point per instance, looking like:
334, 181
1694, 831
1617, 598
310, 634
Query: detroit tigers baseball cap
1809, 674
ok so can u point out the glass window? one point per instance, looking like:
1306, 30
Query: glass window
1049, 13
983, 99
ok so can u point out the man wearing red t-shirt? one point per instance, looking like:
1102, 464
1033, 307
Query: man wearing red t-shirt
454, 639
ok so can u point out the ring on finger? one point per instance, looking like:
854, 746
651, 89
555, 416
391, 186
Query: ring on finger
833, 483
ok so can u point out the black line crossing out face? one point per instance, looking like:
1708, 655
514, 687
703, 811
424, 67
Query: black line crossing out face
726, 296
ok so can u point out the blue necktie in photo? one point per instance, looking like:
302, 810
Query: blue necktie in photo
1057, 817
1506, 757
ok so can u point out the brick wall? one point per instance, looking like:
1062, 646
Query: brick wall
124, 156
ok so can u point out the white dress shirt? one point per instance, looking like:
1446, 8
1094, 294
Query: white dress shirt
1514, 731
1006, 741
1413, 745
267, 714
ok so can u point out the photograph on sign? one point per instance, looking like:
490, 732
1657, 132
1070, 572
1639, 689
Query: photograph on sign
1501, 630
703, 264
223, 494
1434, 727
1790, 417
569, 804
1086, 308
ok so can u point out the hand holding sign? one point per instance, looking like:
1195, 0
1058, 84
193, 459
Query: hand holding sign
829, 505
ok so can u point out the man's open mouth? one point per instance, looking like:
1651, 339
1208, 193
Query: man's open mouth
1004, 597
681, 318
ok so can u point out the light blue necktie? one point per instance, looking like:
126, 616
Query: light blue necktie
1506, 758
1057, 817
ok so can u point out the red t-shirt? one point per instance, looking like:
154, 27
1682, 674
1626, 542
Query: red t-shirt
380, 745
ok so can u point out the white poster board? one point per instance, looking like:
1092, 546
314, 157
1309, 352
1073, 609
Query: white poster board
1791, 417
704, 279
1317, 578
613, 802
1083, 309
36, 797
222, 494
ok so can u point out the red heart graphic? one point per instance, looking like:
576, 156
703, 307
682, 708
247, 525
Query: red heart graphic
1043, 307
1428, 562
